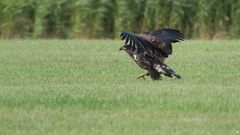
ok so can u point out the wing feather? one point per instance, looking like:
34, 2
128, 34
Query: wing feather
157, 42
135, 40
165, 38
170, 35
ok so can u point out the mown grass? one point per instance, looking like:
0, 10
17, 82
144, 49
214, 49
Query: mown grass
59, 87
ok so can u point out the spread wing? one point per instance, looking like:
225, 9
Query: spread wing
142, 45
158, 40
163, 38
136, 41
168, 35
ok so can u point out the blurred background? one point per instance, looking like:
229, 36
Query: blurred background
198, 19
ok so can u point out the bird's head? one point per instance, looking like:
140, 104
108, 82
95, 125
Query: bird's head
128, 49
125, 48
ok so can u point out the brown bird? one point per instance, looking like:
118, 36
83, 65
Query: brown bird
149, 50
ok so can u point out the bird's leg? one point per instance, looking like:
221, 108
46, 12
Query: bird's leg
143, 76
160, 77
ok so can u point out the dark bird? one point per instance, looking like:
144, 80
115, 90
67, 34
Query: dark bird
149, 50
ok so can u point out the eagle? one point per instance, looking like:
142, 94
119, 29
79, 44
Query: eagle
150, 49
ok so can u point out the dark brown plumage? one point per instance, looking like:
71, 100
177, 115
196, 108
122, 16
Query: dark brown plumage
149, 50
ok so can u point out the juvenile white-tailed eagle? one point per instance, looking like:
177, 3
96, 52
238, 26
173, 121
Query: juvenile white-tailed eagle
149, 50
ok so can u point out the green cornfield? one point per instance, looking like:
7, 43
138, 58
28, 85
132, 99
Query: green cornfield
204, 19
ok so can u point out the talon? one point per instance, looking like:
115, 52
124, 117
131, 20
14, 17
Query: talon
142, 76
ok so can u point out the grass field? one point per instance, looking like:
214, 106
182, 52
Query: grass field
74, 87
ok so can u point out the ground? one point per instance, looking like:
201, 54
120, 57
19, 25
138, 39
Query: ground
80, 87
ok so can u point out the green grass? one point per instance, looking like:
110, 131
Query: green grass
77, 87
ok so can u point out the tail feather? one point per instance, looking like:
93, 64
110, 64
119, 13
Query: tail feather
177, 76
167, 71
